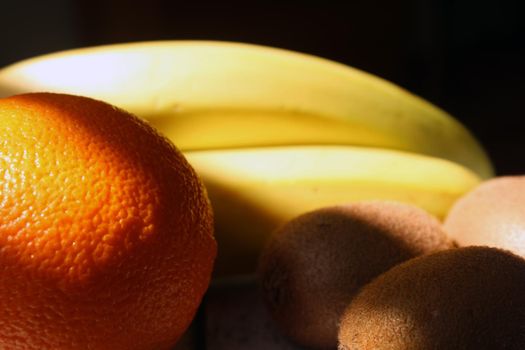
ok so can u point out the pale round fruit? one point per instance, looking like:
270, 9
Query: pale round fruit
492, 214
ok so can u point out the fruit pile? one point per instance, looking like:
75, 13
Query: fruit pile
272, 133
384, 275
328, 182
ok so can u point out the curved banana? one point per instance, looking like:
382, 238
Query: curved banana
253, 191
210, 95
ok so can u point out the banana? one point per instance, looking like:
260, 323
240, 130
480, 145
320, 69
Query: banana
217, 95
253, 191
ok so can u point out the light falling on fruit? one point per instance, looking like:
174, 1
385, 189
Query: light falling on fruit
491, 214
105, 230
464, 298
316, 263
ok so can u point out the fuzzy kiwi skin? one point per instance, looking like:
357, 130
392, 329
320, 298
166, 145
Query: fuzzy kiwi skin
314, 265
492, 214
470, 298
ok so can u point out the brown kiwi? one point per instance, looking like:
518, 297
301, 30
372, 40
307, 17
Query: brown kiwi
492, 214
313, 266
467, 298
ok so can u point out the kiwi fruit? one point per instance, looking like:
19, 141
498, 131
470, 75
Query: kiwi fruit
313, 266
470, 298
492, 214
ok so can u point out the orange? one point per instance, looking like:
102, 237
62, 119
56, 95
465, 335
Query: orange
106, 238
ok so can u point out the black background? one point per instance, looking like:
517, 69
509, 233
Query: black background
465, 56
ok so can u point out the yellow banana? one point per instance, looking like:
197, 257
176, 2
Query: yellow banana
215, 95
253, 191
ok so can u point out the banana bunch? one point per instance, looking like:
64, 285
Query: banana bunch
272, 133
